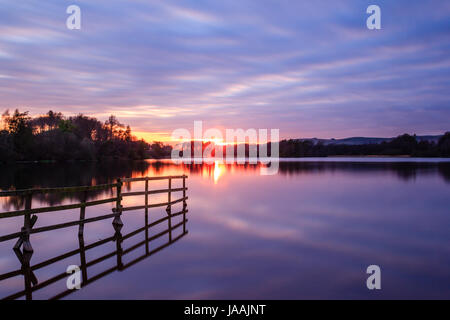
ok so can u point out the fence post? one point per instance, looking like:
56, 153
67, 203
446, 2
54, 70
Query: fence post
146, 214
81, 238
184, 203
27, 275
27, 224
119, 249
27, 248
82, 214
82, 258
169, 209
118, 224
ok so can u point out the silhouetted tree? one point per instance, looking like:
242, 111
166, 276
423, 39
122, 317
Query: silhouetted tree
55, 137
113, 125
158, 150
444, 145
18, 126
402, 145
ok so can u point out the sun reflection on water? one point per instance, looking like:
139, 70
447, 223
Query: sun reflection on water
213, 171
218, 171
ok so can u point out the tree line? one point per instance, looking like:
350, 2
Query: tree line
403, 145
54, 136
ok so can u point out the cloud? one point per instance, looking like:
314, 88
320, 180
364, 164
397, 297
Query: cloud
307, 68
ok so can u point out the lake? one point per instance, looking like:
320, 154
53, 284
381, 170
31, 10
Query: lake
308, 232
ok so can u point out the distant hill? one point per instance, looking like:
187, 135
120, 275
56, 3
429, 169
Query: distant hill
353, 141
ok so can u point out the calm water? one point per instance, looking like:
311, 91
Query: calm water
308, 232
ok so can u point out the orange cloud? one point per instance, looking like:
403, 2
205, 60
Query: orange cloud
153, 136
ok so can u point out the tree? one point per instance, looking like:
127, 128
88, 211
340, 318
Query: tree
127, 134
402, 145
89, 128
7, 152
54, 119
113, 125
66, 126
17, 122
49, 121
444, 145
158, 150
18, 126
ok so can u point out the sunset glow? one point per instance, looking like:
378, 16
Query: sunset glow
306, 70
216, 158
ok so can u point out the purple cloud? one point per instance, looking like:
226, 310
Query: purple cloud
307, 68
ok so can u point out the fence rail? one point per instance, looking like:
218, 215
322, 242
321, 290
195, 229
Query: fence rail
83, 205
30, 218
10, 193
85, 265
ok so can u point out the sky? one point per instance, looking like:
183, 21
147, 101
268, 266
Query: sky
307, 68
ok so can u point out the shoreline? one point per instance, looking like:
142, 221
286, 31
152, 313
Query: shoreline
339, 158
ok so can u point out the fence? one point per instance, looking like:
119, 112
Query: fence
31, 283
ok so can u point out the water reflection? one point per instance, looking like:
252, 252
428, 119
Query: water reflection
308, 232
89, 174
144, 248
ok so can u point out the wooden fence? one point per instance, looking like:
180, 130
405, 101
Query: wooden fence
31, 283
